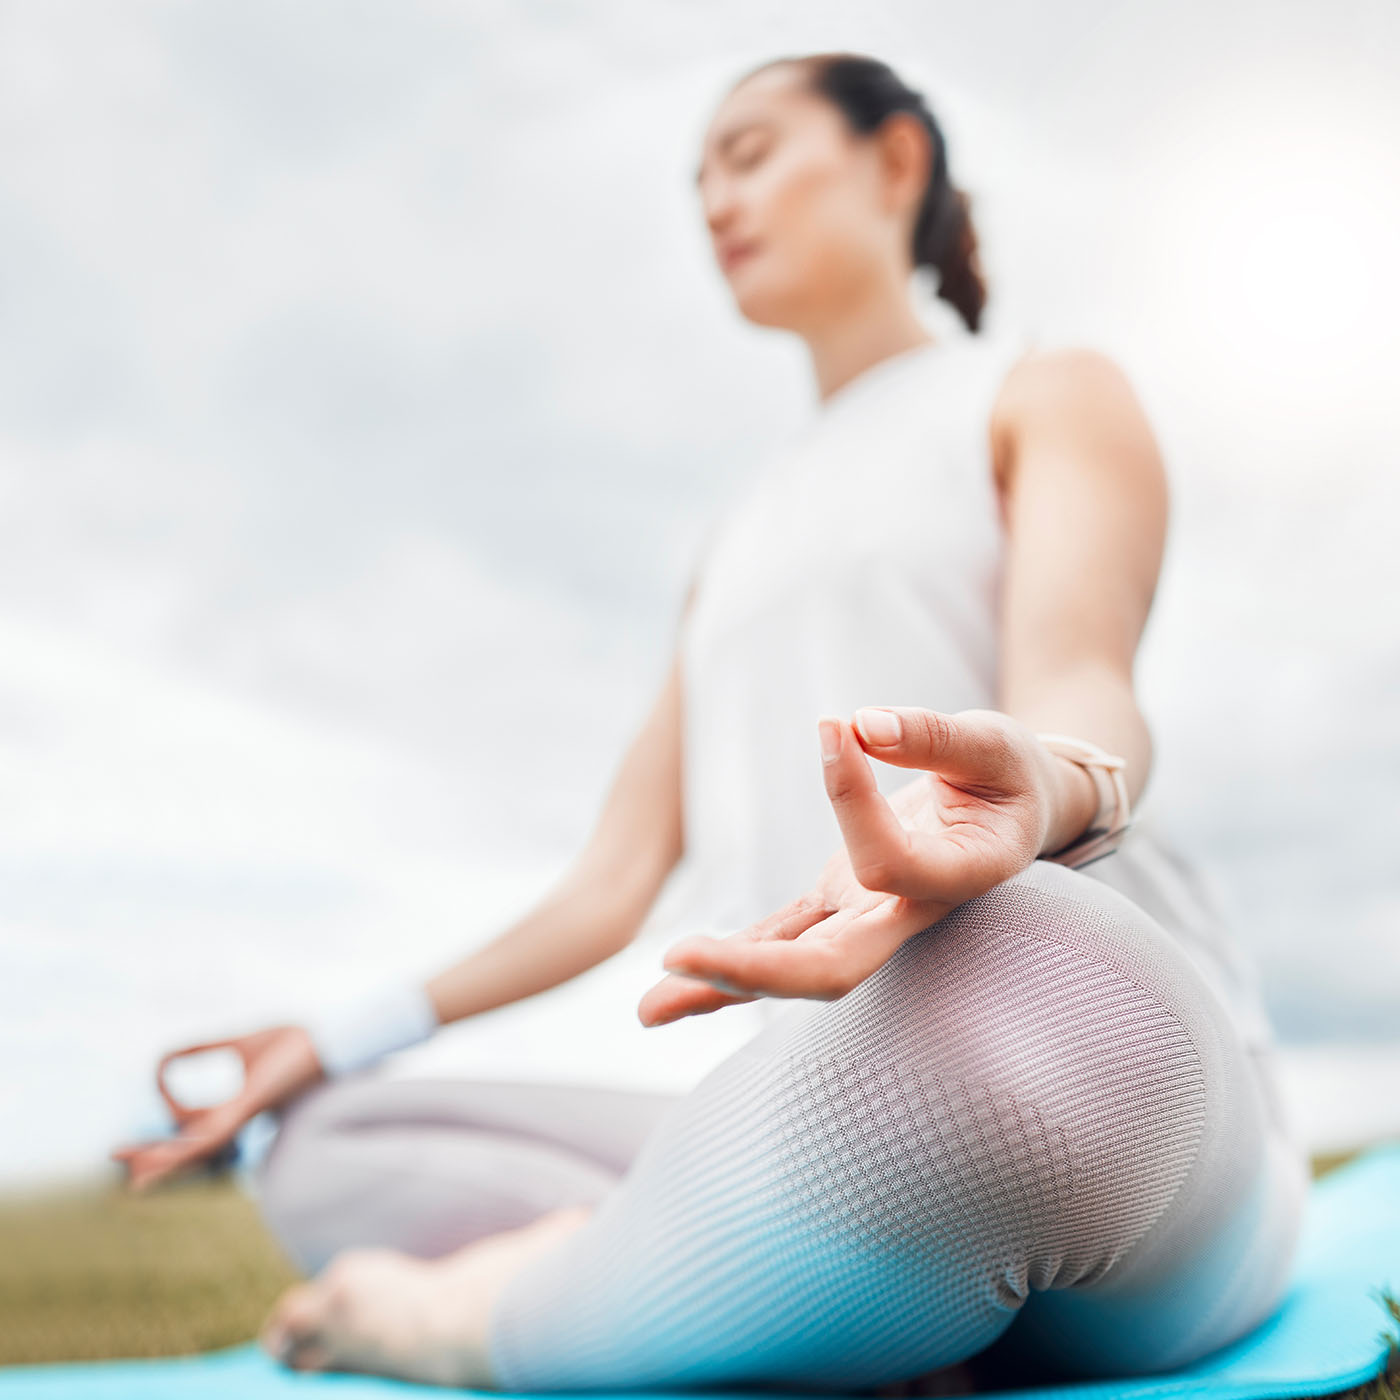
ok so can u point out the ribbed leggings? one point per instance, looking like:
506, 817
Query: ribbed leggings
1035, 1126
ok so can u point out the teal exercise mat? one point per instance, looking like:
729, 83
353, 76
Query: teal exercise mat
1331, 1331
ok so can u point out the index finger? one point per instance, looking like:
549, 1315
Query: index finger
876, 841
179, 1110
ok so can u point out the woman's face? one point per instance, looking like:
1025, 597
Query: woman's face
804, 215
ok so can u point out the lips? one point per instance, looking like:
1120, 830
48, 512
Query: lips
735, 253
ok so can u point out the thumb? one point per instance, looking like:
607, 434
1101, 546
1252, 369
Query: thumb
973, 746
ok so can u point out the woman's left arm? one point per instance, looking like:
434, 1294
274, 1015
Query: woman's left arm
1084, 499
1083, 495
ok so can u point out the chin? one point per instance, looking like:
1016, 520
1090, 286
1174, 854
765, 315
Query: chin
762, 307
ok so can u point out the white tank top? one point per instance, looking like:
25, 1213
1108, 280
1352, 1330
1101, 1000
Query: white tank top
862, 566
859, 565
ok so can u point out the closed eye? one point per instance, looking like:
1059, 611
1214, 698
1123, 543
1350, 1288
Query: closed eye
752, 155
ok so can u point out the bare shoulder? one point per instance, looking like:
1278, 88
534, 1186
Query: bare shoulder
1064, 381
1074, 393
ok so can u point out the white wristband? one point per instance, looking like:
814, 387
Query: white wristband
353, 1034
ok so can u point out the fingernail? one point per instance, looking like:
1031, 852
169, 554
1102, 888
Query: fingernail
831, 739
879, 727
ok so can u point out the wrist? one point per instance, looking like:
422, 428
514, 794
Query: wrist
1073, 802
351, 1035
1113, 814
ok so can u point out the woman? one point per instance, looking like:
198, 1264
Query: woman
1022, 1090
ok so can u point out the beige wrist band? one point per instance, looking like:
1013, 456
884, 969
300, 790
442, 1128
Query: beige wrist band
1114, 815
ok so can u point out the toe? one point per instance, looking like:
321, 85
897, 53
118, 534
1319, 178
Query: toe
294, 1324
310, 1356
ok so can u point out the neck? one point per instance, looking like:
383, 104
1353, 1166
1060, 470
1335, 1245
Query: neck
853, 344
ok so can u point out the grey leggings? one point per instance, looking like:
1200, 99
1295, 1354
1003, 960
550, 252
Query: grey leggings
1036, 1126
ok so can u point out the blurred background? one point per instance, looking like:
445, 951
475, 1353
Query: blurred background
367, 386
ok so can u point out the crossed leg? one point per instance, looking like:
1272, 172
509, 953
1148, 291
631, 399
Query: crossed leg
426, 1166
1036, 1113
412, 1199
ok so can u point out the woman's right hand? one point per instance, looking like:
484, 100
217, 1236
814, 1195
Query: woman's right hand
278, 1064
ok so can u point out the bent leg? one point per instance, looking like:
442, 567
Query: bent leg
1213, 1268
429, 1165
1027, 1097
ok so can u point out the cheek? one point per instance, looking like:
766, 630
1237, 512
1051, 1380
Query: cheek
810, 214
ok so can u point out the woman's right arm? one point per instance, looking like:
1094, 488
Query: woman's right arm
592, 912
597, 906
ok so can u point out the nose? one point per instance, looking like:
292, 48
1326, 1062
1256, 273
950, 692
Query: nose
719, 206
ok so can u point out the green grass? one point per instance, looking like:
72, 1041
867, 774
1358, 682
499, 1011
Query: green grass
90, 1272
94, 1272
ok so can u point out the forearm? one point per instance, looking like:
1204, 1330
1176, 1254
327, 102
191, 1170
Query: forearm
1094, 702
593, 912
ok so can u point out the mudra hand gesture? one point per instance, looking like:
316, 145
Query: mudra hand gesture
976, 816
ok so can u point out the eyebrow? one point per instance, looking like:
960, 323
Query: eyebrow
729, 138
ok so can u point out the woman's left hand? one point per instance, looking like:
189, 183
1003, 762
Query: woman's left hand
976, 816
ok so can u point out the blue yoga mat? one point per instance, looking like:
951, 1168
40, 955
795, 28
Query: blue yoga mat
1330, 1333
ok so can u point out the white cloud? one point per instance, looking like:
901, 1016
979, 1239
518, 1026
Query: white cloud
365, 386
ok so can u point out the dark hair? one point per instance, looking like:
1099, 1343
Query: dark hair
868, 91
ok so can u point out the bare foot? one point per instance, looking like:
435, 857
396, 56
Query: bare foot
380, 1311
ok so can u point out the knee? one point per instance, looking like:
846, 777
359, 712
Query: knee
1047, 971
1045, 1057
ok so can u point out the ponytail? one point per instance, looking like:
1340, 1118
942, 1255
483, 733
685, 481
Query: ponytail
949, 244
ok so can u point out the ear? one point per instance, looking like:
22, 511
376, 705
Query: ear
906, 156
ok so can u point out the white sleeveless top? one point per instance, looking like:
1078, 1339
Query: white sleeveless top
860, 565
860, 568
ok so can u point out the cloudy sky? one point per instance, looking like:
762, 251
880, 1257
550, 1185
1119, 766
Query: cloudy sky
366, 386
